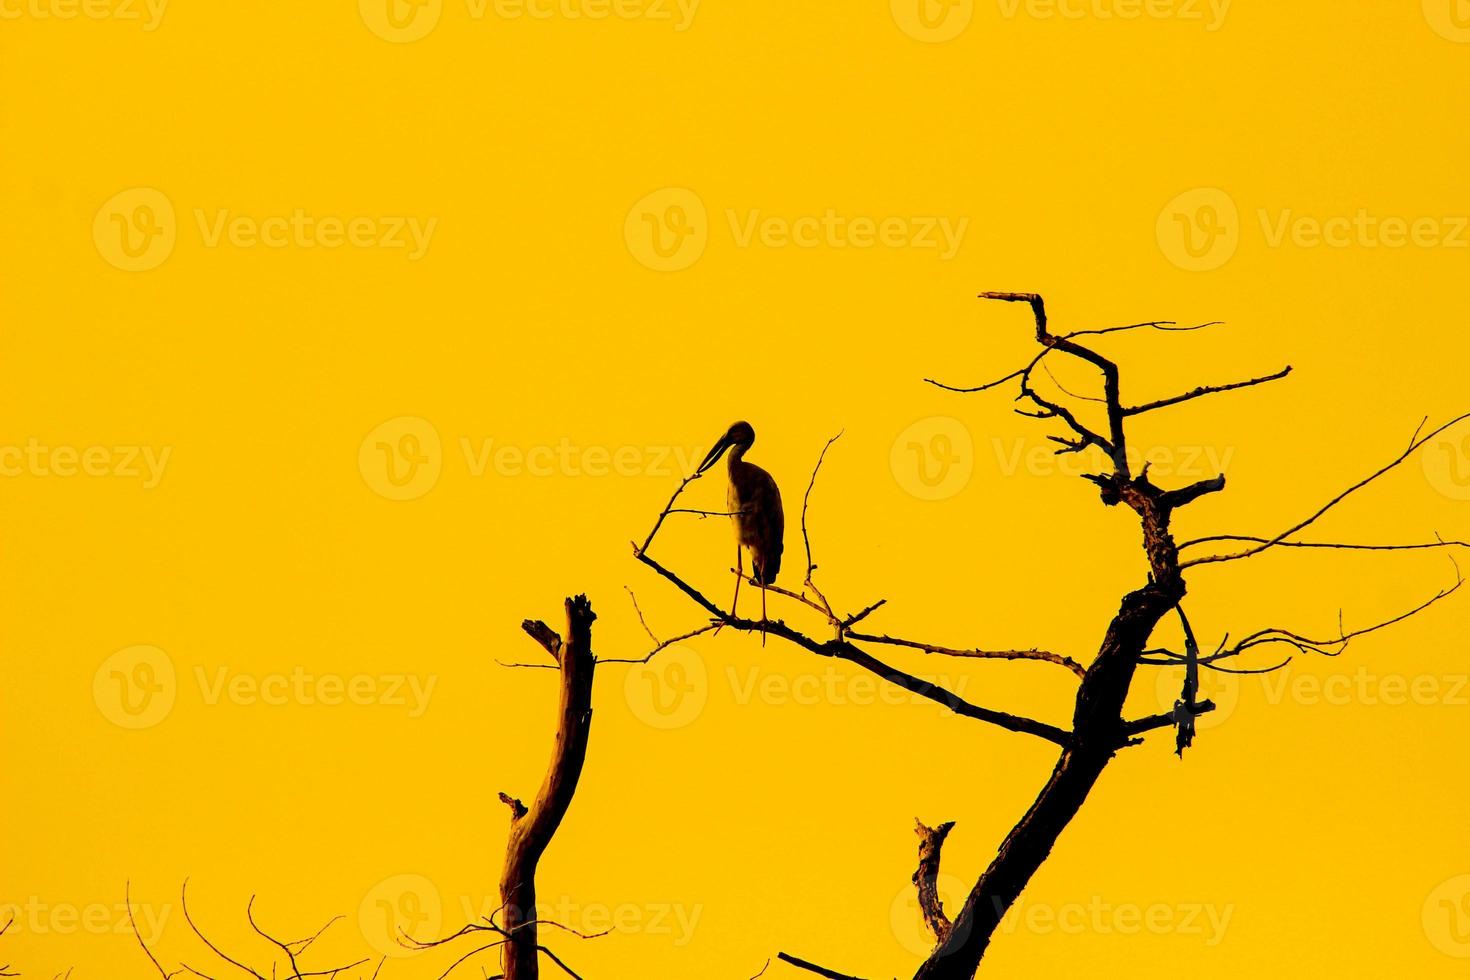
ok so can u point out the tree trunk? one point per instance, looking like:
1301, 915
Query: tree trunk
1098, 732
532, 829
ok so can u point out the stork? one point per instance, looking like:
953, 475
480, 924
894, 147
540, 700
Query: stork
755, 509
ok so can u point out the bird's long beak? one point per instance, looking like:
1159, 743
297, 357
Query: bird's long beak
715, 453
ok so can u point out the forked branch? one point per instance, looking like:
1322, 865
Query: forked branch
292, 950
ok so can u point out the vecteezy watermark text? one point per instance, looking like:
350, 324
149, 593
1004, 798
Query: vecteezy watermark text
35, 459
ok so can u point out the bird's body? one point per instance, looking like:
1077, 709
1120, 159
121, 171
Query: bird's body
755, 508
760, 524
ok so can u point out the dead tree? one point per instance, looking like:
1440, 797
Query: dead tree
512, 928
532, 829
1098, 728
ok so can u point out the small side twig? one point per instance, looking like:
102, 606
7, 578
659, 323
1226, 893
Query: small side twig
926, 878
810, 967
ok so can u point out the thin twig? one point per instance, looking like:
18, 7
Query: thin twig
1203, 390
1032, 654
811, 565
820, 971
1414, 445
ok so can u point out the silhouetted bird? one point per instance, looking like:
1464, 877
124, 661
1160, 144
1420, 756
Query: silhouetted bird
755, 508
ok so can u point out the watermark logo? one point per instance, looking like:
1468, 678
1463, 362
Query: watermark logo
568, 459
136, 229
833, 230
404, 906
1361, 687
401, 21
679, 13
1181, 463
1449, 18
406, 21
675, 922
1362, 229
1446, 917
402, 458
669, 691
1211, 13
933, 21
1199, 230
39, 460
667, 230
136, 687
831, 688
39, 917
148, 13
1098, 917
303, 230
1446, 463
410, 691
934, 458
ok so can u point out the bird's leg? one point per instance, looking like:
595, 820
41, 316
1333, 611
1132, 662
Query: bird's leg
739, 574
763, 612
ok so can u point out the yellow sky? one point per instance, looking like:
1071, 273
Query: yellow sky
545, 252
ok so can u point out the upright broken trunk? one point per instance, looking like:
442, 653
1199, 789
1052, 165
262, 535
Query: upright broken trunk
1098, 731
532, 829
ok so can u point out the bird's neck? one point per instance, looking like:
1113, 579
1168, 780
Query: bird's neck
737, 454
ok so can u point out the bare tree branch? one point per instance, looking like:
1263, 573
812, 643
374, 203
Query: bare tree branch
1032, 654
806, 538
843, 650
184, 905
1203, 390
1330, 646
661, 646
926, 878
133, 923
1116, 443
1164, 326
1414, 445
1329, 545
293, 949
1167, 719
820, 971
1183, 708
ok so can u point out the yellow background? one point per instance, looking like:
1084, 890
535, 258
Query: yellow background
1331, 830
